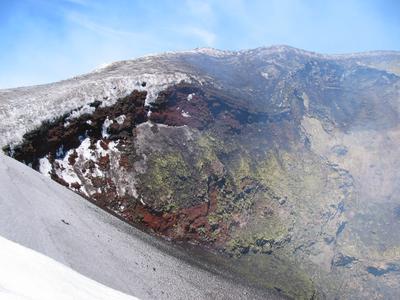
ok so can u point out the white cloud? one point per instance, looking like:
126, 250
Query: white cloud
100, 29
207, 38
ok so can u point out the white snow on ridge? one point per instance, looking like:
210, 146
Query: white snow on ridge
28, 275
23, 109
86, 109
212, 52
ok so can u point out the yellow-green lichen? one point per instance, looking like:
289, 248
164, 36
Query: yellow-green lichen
207, 150
302, 179
242, 168
166, 178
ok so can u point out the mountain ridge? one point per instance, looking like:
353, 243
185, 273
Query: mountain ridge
281, 161
121, 78
210, 50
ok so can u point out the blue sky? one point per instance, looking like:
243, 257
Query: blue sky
48, 40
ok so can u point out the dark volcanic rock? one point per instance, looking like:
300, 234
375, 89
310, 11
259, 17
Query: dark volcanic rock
64, 133
341, 260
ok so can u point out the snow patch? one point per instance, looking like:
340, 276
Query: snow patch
83, 150
120, 119
185, 114
265, 75
82, 168
86, 109
28, 275
212, 52
190, 96
45, 166
157, 83
105, 126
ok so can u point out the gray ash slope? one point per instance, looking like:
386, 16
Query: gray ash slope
283, 160
46, 217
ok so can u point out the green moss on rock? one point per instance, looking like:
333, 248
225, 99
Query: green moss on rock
171, 182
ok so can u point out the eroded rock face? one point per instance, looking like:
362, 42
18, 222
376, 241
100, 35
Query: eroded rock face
199, 169
295, 188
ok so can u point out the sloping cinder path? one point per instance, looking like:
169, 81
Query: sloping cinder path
38, 213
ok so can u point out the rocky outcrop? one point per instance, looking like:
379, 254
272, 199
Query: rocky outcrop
55, 138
